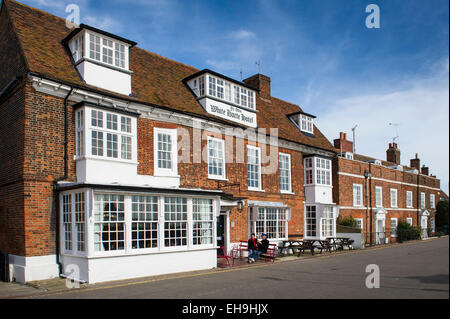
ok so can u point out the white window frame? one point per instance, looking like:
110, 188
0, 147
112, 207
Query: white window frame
306, 123
288, 156
349, 155
115, 52
258, 149
360, 221
89, 128
174, 152
311, 227
358, 201
432, 201
378, 191
409, 199
327, 221
394, 232
394, 205
222, 146
261, 224
227, 91
409, 221
422, 200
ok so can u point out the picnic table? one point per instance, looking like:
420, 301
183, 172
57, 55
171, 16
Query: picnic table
310, 244
291, 244
341, 242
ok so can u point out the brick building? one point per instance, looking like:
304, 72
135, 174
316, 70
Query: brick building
118, 163
379, 193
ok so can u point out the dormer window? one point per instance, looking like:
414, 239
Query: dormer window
101, 58
349, 155
304, 121
224, 97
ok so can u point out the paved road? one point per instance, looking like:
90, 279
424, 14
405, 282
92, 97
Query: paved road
410, 270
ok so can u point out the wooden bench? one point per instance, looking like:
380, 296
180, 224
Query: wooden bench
271, 253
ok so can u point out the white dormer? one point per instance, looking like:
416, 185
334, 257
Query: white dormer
304, 121
224, 97
348, 155
376, 162
101, 58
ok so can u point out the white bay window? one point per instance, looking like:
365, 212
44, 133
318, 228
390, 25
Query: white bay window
106, 135
135, 223
271, 221
317, 171
320, 221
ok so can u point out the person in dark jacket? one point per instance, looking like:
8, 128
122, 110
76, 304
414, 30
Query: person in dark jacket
264, 244
253, 252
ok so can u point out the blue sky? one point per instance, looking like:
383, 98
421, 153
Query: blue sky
319, 55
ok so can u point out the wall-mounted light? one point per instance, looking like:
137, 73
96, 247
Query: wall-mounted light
240, 205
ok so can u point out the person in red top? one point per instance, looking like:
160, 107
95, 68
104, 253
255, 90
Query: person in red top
253, 252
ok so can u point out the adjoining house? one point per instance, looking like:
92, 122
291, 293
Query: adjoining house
119, 163
380, 193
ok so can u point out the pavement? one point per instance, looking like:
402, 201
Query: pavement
417, 269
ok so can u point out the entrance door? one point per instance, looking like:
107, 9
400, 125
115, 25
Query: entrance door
424, 224
379, 232
221, 230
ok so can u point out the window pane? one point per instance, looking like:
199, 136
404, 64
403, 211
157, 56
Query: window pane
144, 226
109, 227
175, 226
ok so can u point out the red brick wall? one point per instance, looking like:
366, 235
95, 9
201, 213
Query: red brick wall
343, 189
11, 171
195, 175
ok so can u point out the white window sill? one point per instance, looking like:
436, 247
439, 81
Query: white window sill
218, 178
150, 251
108, 159
166, 175
287, 192
256, 190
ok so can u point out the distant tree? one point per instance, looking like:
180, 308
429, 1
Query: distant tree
442, 216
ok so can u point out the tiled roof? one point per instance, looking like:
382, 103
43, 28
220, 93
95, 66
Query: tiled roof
155, 80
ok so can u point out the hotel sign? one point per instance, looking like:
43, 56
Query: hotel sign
229, 112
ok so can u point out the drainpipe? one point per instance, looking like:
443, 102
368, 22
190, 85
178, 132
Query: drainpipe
66, 174
367, 175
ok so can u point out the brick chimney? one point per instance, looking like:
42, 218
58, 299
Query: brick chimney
343, 144
415, 163
393, 154
425, 170
260, 82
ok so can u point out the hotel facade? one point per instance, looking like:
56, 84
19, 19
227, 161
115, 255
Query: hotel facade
119, 163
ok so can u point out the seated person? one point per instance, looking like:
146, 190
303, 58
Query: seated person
264, 244
253, 252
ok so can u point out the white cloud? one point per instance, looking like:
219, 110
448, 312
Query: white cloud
421, 110
241, 35
103, 23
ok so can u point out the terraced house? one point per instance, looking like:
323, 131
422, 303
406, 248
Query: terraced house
380, 193
118, 163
